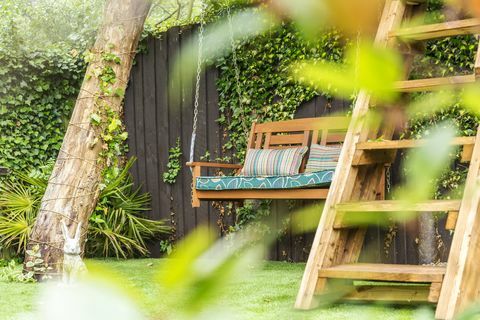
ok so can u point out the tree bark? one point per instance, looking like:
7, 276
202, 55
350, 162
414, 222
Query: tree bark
427, 245
73, 188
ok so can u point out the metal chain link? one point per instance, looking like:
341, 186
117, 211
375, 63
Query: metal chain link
197, 84
388, 179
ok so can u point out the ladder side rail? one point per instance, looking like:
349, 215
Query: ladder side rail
461, 282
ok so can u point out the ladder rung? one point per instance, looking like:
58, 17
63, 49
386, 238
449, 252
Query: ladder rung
438, 30
406, 144
402, 293
398, 206
384, 272
432, 84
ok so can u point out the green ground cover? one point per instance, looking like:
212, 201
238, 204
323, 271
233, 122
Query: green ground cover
266, 293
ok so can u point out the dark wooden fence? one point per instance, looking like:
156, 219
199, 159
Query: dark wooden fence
156, 117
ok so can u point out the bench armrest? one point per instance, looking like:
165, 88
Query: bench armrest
196, 169
215, 165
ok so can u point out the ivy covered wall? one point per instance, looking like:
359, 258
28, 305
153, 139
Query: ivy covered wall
267, 91
37, 93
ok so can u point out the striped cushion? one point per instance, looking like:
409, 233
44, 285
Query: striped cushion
323, 157
272, 162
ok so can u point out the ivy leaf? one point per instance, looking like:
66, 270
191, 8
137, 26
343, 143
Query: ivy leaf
124, 136
119, 92
95, 118
114, 124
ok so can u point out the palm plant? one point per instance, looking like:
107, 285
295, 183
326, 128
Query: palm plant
19, 202
118, 226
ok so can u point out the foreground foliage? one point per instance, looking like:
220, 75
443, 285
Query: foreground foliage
267, 293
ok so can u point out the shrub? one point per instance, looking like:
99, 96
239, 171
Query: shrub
117, 226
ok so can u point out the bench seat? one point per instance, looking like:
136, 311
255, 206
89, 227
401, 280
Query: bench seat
302, 180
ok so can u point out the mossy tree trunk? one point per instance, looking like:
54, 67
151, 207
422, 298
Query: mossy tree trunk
73, 189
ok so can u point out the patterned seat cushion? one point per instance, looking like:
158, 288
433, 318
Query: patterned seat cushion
301, 180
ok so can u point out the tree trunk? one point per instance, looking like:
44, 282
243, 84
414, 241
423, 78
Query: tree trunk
73, 188
427, 245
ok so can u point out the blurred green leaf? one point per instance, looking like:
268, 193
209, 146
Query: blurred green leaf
425, 164
217, 42
306, 219
471, 98
369, 68
180, 268
430, 103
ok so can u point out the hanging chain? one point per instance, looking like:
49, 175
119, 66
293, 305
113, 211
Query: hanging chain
197, 84
236, 68
388, 179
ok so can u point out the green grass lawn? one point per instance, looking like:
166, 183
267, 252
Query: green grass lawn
265, 293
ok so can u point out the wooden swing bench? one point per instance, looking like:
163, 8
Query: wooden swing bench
276, 135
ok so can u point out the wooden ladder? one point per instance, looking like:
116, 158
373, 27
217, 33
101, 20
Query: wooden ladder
358, 182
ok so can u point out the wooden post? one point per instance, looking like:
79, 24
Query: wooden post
195, 173
72, 192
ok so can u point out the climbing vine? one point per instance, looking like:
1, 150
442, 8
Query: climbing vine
37, 94
173, 165
111, 130
448, 56
267, 90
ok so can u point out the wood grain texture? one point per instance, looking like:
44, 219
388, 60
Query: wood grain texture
406, 144
384, 272
392, 294
316, 194
214, 165
438, 30
399, 206
432, 84
452, 218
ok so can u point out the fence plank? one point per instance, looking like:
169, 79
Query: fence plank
151, 143
139, 122
163, 124
190, 214
129, 117
214, 134
175, 126
202, 213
